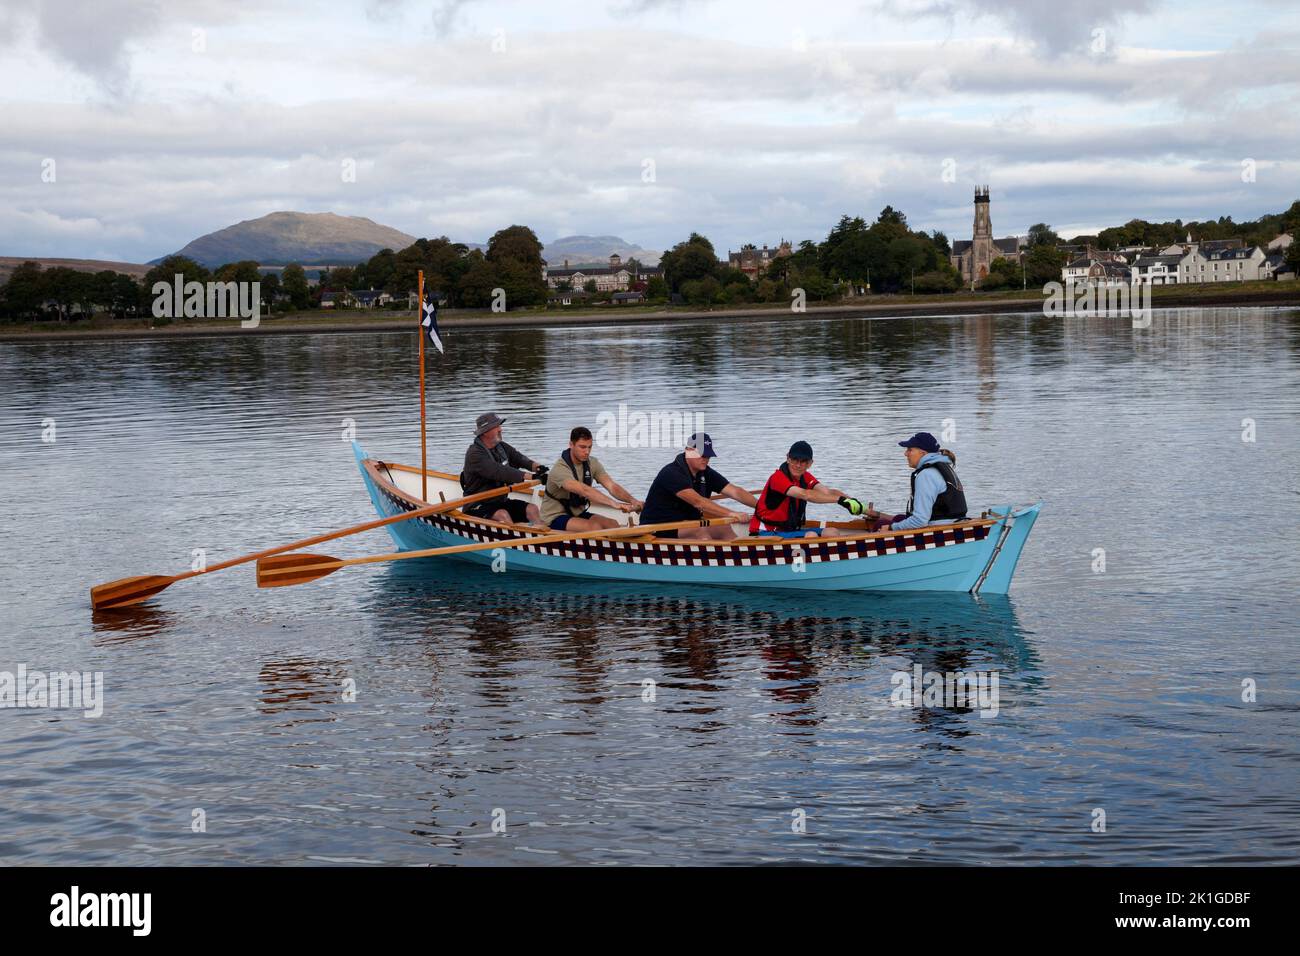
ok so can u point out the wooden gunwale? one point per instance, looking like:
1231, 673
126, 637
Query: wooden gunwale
373, 465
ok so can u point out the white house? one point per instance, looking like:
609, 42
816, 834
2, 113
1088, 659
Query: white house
1157, 269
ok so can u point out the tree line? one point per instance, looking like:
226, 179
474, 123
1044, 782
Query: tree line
885, 255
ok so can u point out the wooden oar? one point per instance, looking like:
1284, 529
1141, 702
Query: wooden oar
300, 568
125, 591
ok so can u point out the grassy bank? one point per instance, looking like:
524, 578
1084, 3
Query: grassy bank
1266, 293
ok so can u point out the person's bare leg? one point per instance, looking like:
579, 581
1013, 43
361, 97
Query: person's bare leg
711, 533
594, 523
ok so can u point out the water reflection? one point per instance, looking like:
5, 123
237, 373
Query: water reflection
133, 623
694, 635
301, 686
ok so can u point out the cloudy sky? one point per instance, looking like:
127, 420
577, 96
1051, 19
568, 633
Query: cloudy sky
747, 121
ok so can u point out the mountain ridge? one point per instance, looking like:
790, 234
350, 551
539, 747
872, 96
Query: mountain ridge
305, 237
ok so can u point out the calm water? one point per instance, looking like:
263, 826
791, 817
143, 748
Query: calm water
1119, 690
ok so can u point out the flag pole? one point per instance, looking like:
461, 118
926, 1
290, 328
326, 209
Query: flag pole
424, 461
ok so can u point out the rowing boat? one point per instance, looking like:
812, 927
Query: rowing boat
977, 555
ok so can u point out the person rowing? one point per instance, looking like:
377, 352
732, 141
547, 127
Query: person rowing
570, 489
491, 463
937, 494
682, 490
783, 502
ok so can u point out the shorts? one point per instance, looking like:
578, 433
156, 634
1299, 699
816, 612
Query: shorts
562, 522
485, 509
801, 533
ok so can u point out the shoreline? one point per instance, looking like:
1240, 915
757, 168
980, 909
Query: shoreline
625, 315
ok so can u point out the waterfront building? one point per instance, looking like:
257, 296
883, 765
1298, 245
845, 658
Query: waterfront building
754, 261
616, 277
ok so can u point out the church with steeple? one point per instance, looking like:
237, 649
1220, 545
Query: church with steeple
972, 259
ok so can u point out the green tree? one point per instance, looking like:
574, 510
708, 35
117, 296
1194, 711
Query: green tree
1043, 264
516, 254
702, 292
474, 289
166, 271
126, 296
1003, 274
294, 281
689, 261
23, 293
1041, 234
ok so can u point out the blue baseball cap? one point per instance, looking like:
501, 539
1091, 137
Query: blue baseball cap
922, 440
800, 451
703, 444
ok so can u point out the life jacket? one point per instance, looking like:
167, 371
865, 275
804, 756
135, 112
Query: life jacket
779, 511
498, 455
951, 504
573, 504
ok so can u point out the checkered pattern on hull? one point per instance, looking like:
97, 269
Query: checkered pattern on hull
702, 553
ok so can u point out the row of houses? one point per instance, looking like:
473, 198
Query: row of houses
619, 277
1183, 263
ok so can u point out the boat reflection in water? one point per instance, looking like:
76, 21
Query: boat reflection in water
705, 642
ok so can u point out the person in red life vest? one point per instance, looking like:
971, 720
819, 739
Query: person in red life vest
784, 499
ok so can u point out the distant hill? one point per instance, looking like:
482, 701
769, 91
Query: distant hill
9, 263
591, 250
305, 237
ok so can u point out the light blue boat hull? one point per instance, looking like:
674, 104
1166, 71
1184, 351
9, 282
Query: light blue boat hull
938, 559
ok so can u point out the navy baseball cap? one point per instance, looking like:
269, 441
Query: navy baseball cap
922, 440
703, 444
800, 451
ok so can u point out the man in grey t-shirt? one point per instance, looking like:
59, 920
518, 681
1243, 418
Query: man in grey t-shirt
571, 489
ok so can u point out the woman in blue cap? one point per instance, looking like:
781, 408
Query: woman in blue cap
937, 494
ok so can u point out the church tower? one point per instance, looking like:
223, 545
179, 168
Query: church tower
982, 239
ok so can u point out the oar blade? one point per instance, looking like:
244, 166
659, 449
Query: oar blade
281, 570
127, 591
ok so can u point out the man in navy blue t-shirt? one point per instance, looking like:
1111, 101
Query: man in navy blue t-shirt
682, 489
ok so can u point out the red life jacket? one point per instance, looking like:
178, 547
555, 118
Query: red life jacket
776, 509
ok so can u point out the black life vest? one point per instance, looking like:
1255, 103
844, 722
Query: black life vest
951, 504
783, 512
574, 504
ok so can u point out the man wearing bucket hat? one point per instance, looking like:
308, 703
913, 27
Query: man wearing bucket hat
937, 494
682, 491
783, 502
491, 463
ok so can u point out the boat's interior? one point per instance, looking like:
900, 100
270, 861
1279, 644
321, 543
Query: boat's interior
446, 487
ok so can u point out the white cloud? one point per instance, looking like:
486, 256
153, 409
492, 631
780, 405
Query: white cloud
752, 138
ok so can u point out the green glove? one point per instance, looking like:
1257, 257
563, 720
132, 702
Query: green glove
853, 505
